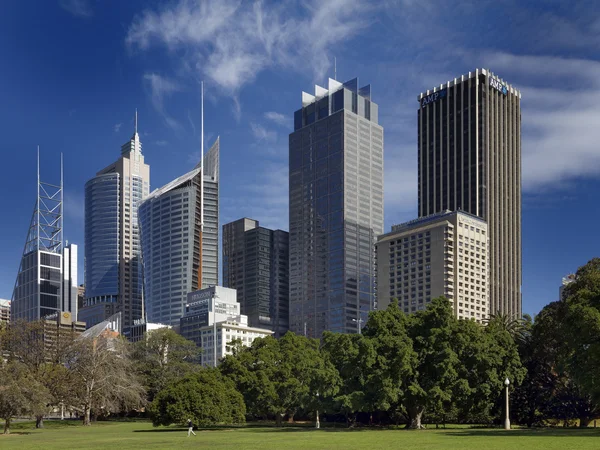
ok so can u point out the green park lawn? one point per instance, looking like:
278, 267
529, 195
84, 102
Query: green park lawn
141, 435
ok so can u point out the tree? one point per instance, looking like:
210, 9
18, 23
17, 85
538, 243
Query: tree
387, 378
435, 373
162, 357
104, 376
278, 377
20, 392
42, 348
206, 397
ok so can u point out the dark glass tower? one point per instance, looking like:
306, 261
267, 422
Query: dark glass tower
336, 208
469, 140
256, 264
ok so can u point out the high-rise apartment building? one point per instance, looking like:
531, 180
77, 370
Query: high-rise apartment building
113, 268
469, 158
445, 254
178, 256
256, 264
336, 208
4, 311
48, 269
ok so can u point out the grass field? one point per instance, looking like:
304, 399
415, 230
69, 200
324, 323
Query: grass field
141, 435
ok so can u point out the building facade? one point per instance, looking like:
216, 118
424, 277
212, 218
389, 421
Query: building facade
256, 265
178, 256
445, 254
212, 312
562, 293
336, 208
469, 159
4, 311
113, 268
48, 268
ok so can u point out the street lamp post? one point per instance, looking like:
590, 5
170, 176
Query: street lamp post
507, 419
359, 321
317, 423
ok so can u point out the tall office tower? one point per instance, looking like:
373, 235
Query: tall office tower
442, 254
336, 208
42, 289
256, 264
113, 268
177, 257
469, 140
70, 289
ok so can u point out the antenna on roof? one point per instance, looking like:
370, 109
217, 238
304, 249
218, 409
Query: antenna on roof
136, 120
335, 68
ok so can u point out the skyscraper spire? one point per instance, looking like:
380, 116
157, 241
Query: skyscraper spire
136, 121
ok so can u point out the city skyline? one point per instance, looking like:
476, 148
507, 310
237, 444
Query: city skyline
86, 114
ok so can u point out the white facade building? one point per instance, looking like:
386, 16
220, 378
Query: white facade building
216, 311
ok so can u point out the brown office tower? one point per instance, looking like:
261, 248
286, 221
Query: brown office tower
469, 140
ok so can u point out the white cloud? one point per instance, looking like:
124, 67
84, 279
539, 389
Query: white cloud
262, 134
560, 123
279, 119
160, 89
118, 127
233, 41
79, 8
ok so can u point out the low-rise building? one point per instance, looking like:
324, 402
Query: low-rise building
216, 311
444, 254
141, 327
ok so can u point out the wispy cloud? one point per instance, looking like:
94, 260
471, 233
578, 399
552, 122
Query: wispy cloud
262, 134
560, 135
161, 143
118, 127
279, 119
79, 8
161, 88
233, 41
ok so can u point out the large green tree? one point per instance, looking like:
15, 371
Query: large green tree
163, 356
206, 397
278, 377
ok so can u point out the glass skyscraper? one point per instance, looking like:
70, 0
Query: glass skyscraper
256, 264
113, 270
46, 283
177, 257
336, 208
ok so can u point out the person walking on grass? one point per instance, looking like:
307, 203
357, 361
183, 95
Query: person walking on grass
190, 428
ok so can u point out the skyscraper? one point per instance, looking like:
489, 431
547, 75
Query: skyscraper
336, 208
48, 269
256, 264
469, 141
178, 256
113, 269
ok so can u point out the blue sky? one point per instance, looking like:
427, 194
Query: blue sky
74, 71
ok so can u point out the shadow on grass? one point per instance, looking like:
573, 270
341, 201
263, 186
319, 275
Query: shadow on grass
525, 432
258, 429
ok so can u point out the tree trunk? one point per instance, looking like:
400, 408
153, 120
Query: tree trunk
278, 420
584, 422
7, 426
415, 415
86, 416
39, 421
291, 418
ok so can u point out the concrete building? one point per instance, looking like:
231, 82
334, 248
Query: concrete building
180, 255
47, 277
4, 311
113, 268
59, 329
336, 208
215, 311
469, 159
571, 278
256, 265
140, 329
442, 254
